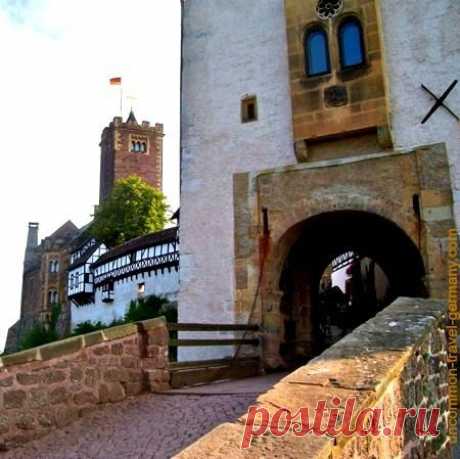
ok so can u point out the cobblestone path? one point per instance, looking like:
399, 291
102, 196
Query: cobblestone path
147, 426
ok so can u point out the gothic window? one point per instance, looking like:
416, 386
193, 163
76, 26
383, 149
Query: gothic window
53, 266
249, 109
317, 61
351, 43
53, 297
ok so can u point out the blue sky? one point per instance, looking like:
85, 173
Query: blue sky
57, 57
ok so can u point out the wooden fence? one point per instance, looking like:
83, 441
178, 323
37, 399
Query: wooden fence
189, 373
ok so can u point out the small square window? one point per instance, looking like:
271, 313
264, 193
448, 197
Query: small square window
249, 109
141, 289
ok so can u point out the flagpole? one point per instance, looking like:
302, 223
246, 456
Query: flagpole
121, 100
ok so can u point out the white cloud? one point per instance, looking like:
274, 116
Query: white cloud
56, 59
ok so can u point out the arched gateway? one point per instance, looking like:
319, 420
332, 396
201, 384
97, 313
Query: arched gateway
311, 317
292, 223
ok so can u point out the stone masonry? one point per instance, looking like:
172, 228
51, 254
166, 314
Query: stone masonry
397, 359
119, 160
55, 384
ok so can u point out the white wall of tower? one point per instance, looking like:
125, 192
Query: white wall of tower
422, 45
231, 49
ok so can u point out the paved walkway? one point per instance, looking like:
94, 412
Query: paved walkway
148, 426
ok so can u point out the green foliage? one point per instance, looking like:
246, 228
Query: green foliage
88, 327
142, 309
133, 209
42, 333
145, 308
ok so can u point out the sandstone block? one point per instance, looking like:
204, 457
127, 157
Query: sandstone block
25, 421
61, 348
53, 376
85, 398
117, 349
14, 399
6, 382
58, 395
65, 415
20, 357
38, 398
119, 332
27, 379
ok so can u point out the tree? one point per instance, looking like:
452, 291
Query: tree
42, 333
133, 209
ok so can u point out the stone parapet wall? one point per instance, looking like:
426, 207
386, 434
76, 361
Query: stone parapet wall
52, 385
397, 359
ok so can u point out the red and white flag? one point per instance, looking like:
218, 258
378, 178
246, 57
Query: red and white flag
115, 81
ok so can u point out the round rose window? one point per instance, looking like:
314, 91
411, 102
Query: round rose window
328, 8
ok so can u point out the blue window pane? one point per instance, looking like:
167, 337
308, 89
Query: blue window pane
351, 44
317, 53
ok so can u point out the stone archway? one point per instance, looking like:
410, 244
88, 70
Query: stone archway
302, 254
407, 194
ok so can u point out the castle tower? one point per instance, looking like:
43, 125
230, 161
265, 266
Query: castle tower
302, 139
129, 148
32, 244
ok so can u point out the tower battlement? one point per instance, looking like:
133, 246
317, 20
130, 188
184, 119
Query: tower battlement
129, 148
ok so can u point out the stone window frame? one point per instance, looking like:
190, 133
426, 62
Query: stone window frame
341, 20
310, 28
246, 102
331, 27
53, 266
53, 297
139, 145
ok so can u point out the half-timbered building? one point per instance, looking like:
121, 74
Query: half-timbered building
103, 283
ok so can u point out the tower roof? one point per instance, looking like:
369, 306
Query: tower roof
131, 118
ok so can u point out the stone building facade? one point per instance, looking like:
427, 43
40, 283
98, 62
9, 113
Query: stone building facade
44, 281
334, 158
129, 148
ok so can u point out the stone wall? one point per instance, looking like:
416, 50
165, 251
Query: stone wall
52, 385
118, 161
420, 45
397, 359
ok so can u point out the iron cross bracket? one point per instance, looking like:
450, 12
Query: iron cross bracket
440, 101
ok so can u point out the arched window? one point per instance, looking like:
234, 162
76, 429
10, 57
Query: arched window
317, 60
351, 43
52, 297
51, 266
56, 266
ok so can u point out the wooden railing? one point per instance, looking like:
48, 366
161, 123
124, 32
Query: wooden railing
212, 328
188, 373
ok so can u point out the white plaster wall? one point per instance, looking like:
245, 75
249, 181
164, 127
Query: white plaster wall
230, 49
162, 284
422, 45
